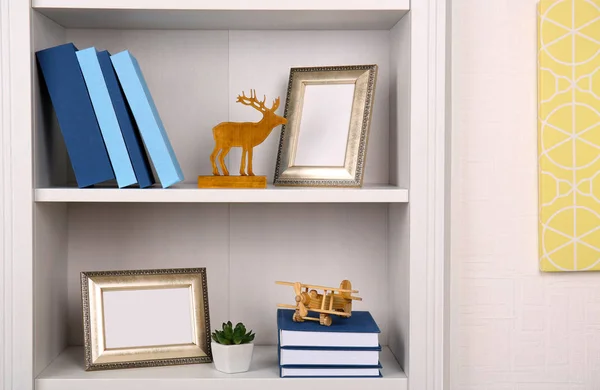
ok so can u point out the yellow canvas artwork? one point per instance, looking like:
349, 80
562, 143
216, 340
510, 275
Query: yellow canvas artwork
569, 135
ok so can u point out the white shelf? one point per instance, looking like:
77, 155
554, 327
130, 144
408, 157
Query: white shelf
191, 194
66, 372
231, 14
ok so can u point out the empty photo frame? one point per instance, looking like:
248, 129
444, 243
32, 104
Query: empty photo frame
328, 112
145, 318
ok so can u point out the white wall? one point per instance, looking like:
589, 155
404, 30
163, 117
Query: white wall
515, 328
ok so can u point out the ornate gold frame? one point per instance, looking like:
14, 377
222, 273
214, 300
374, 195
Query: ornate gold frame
98, 357
351, 174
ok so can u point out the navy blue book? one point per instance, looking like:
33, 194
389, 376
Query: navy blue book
358, 331
69, 95
131, 134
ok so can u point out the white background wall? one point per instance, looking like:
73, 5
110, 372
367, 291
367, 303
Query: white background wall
515, 328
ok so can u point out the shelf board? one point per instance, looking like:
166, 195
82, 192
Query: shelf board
233, 14
190, 194
66, 372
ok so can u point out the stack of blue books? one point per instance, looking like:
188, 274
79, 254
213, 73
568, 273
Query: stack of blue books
107, 115
348, 348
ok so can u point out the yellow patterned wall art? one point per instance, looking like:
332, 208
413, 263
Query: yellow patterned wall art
569, 135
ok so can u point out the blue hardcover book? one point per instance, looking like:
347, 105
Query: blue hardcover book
75, 114
358, 331
106, 116
131, 135
299, 371
147, 118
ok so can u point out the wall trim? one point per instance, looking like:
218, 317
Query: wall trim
16, 198
5, 205
449, 287
439, 182
430, 194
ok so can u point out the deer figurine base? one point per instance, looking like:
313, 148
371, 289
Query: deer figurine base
232, 182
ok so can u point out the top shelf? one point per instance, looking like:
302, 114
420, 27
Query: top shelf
231, 14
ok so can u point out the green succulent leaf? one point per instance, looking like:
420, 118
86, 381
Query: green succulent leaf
237, 334
224, 340
241, 328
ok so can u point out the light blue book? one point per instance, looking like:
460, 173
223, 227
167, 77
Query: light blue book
106, 117
146, 116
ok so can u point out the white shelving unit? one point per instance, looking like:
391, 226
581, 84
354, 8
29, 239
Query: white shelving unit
388, 238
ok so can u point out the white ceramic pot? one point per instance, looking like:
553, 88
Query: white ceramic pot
232, 358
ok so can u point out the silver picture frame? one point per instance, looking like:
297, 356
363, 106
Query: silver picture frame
192, 285
350, 173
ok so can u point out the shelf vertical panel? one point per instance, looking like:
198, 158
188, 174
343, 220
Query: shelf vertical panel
398, 216
50, 283
50, 221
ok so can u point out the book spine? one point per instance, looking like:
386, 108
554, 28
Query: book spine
326, 348
69, 95
325, 366
106, 116
131, 135
146, 115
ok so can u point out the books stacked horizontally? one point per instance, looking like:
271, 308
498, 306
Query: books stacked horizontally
107, 115
348, 348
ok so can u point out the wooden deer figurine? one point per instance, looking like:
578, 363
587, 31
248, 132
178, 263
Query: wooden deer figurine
245, 135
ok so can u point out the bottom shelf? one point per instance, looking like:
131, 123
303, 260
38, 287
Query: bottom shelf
66, 372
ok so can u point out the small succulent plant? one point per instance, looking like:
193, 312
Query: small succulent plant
232, 336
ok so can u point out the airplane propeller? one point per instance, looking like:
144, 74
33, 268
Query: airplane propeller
298, 290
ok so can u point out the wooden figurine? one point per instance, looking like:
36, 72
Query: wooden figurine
245, 135
333, 301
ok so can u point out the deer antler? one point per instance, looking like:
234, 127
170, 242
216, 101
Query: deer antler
252, 101
275, 105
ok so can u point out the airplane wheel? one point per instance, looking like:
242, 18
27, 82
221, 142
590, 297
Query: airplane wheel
297, 318
324, 319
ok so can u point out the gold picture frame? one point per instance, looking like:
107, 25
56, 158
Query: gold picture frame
351, 172
186, 283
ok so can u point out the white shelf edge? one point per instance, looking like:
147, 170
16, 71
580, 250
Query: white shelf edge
230, 5
66, 372
190, 194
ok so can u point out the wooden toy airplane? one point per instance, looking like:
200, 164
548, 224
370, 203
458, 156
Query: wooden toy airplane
333, 301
